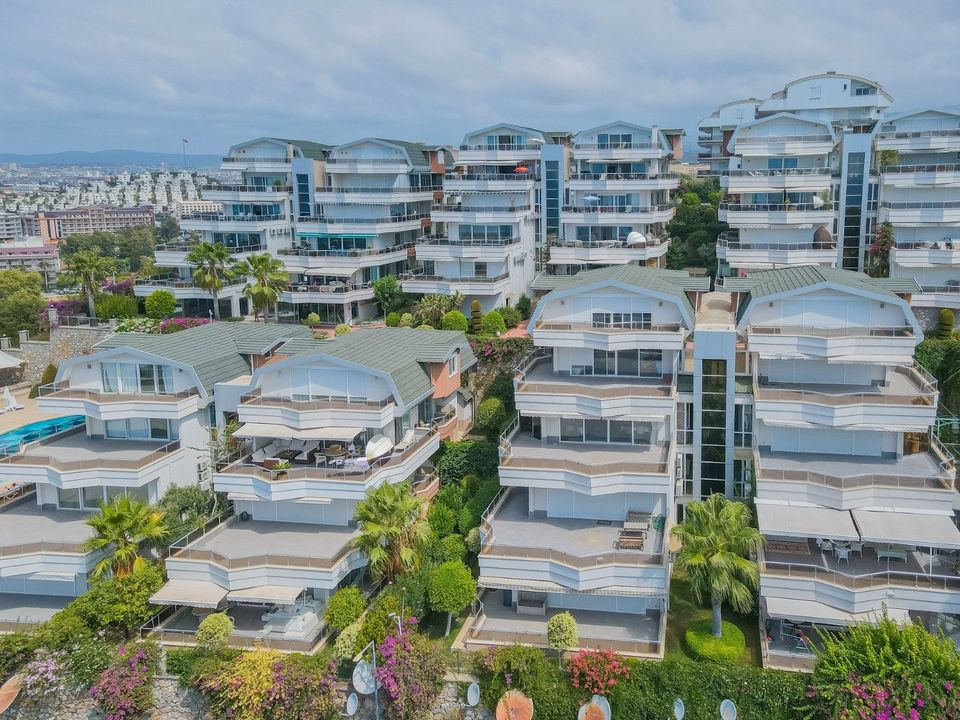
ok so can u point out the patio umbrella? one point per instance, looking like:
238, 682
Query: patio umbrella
377, 446
514, 705
521, 169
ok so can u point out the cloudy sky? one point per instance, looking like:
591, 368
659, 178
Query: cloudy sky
99, 74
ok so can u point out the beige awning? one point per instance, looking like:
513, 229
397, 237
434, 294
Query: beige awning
193, 593
795, 521
276, 430
914, 529
278, 594
268, 430
809, 611
328, 433
327, 270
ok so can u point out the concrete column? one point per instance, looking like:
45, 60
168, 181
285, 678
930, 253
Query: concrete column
4, 343
53, 317
235, 305
23, 335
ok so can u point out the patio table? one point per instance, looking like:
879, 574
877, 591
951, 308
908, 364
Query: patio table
892, 552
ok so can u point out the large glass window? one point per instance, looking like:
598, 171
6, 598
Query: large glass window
685, 423
713, 433
628, 363
136, 378
742, 425
571, 429
492, 234
633, 321
598, 430
139, 429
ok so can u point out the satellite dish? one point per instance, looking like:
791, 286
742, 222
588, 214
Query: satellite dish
353, 702
728, 711
473, 695
363, 679
678, 709
597, 709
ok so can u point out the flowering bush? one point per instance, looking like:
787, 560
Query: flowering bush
410, 670
502, 351
138, 325
118, 287
125, 689
899, 700
263, 685
596, 672
64, 308
45, 676
172, 325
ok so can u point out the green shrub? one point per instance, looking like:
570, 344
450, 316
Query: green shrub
493, 323
491, 417
562, 632
120, 604
455, 320
511, 316
116, 306
377, 623
467, 456
410, 588
214, 631
393, 319
447, 548
470, 485
49, 374
406, 320
181, 663
527, 669
452, 588
945, 323
160, 304
442, 519
473, 541
312, 320
476, 318
345, 607
502, 387
345, 646
450, 496
524, 306
728, 648
425, 327
341, 329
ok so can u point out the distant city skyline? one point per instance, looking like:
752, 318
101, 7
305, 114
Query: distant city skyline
107, 75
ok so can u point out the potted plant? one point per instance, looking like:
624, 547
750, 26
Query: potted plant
280, 469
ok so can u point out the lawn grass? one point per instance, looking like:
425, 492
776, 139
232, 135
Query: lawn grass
684, 611
433, 625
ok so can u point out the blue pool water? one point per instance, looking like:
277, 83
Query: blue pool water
11, 441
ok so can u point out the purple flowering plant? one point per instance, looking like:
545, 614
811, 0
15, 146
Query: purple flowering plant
410, 670
124, 690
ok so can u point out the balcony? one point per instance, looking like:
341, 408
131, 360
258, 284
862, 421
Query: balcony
467, 181
617, 214
653, 336
784, 179
813, 144
539, 389
575, 554
185, 289
502, 214
246, 193
618, 151
747, 215
586, 468
442, 247
614, 252
216, 222
302, 259
921, 480
926, 253
371, 166
763, 256
93, 403
305, 482
892, 345
919, 213
947, 140
468, 285
73, 460
316, 412
361, 225
335, 293
174, 254
939, 296
250, 163
921, 176
495, 154
375, 195
622, 181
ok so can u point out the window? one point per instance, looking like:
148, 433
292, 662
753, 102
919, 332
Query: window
814, 92
742, 425
634, 321
685, 423
598, 430
713, 433
452, 365
742, 479
139, 429
134, 378
571, 429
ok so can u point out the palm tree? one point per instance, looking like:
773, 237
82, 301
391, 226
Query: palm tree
430, 309
392, 529
717, 538
211, 266
266, 277
123, 526
88, 269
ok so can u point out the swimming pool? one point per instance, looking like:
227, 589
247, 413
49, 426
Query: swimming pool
12, 440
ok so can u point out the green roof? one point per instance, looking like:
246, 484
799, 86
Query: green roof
216, 351
399, 352
761, 283
309, 148
669, 282
419, 153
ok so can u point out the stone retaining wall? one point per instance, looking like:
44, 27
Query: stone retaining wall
64, 342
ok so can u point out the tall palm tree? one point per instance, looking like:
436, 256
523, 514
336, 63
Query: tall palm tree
211, 266
266, 277
88, 269
392, 529
717, 538
123, 526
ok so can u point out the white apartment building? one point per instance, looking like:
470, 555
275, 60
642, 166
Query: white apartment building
31, 255
618, 199
716, 130
854, 496
919, 168
367, 210
588, 469
486, 231
146, 403
322, 425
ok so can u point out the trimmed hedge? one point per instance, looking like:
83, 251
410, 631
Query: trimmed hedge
467, 456
728, 648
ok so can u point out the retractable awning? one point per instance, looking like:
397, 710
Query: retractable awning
792, 521
275, 430
270, 430
913, 529
328, 433
327, 270
809, 611
278, 594
192, 593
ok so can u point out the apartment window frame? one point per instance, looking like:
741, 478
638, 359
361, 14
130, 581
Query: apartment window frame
128, 378
453, 364
742, 425
574, 430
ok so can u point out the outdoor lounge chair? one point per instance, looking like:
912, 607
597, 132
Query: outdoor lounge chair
11, 402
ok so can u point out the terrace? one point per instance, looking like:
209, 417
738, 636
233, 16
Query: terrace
26, 529
21, 612
524, 451
75, 451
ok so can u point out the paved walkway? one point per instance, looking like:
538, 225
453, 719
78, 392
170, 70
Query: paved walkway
30, 413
